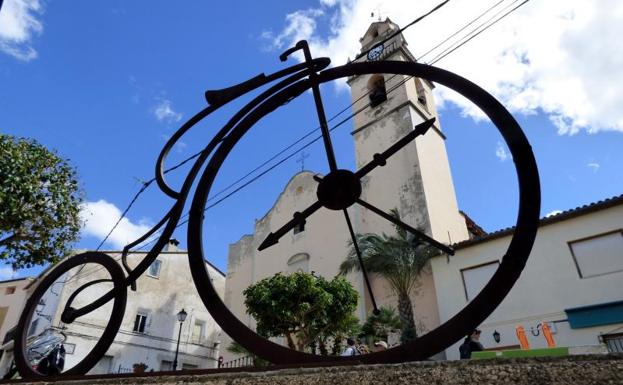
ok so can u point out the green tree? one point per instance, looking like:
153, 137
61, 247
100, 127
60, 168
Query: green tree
302, 307
400, 259
39, 203
379, 326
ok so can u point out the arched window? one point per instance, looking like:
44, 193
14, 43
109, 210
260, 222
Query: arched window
376, 89
298, 262
421, 93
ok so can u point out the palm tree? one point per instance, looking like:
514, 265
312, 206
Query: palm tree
400, 259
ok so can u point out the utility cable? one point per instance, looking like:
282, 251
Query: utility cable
439, 57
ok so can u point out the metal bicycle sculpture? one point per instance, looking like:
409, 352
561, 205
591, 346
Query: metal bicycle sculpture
338, 190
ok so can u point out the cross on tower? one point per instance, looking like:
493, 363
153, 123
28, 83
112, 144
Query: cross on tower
302, 158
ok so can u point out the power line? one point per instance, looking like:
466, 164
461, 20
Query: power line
441, 56
460, 30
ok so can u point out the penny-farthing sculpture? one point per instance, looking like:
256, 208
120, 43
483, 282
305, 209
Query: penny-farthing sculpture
336, 191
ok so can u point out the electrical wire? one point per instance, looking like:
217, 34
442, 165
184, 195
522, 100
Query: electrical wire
439, 57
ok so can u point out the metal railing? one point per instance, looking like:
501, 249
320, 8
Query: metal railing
241, 362
124, 370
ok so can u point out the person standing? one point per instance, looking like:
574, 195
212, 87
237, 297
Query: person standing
380, 346
351, 349
471, 344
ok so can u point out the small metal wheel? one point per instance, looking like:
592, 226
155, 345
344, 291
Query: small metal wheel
65, 296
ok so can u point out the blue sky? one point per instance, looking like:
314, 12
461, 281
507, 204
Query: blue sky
104, 83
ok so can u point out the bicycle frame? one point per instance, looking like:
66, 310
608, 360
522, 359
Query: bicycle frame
294, 81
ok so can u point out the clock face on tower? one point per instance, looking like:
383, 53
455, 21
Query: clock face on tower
375, 53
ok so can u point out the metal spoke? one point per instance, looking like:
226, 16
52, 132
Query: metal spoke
324, 127
361, 265
416, 233
381, 159
297, 218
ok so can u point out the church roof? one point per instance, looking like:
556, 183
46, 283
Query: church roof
567, 214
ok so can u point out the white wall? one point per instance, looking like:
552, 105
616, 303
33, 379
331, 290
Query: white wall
549, 284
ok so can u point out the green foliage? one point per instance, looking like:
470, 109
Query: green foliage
39, 204
302, 307
379, 326
398, 258
408, 334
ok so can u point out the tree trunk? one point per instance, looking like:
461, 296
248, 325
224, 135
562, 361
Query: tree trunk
405, 311
290, 341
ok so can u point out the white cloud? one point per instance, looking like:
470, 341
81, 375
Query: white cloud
101, 216
501, 152
561, 58
18, 24
593, 166
6, 272
552, 213
165, 113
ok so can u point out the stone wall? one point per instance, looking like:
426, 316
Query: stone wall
576, 370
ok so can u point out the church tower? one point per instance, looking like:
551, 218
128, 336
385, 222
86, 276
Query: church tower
417, 180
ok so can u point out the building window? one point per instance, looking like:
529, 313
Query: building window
198, 332
421, 93
298, 262
476, 277
188, 366
299, 228
376, 90
166, 366
9, 290
614, 342
154, 269
139, 322
599, 254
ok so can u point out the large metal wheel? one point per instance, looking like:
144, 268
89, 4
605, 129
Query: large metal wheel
463, 322
72, 283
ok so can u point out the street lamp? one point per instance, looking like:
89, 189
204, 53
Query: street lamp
181, 316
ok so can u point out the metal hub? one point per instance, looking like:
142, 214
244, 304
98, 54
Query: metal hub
339, 189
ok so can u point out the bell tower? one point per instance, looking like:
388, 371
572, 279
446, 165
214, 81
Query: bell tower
416, 180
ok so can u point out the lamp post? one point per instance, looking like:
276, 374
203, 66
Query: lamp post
181, 316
